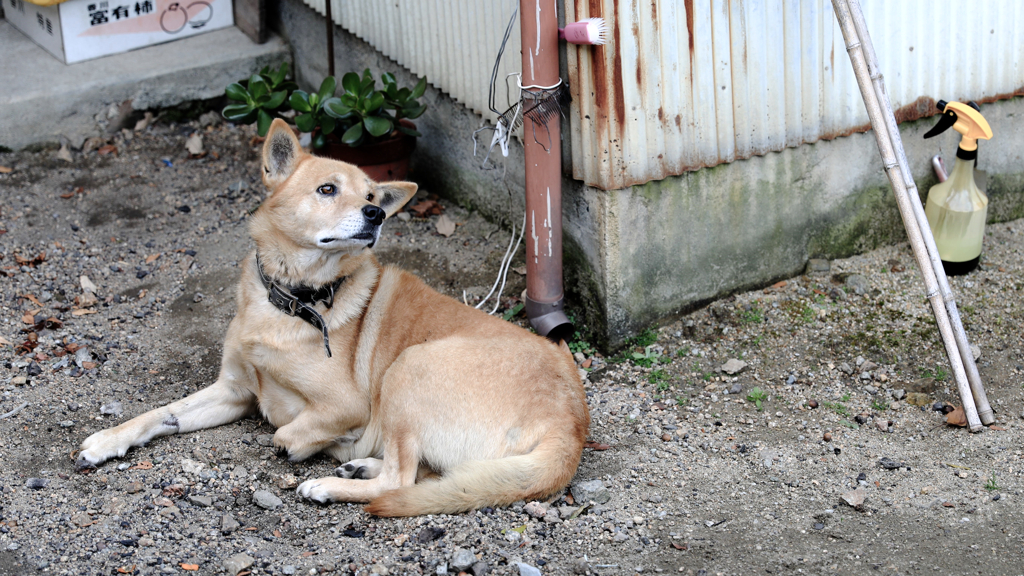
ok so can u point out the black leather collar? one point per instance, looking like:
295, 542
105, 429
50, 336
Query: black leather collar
300, 300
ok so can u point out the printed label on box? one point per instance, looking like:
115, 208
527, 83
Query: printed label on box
90, 26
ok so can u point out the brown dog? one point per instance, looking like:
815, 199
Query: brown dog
373, 367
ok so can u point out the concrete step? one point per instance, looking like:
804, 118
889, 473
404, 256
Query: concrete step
43, 100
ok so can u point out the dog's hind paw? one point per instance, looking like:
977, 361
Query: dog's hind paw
361, 469
315, 491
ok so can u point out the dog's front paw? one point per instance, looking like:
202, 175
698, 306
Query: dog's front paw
99, 448
315, 490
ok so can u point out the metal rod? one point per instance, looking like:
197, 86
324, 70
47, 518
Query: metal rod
960, 335
897, 181
330, 37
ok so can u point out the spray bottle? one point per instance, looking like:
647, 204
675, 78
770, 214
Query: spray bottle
957, 208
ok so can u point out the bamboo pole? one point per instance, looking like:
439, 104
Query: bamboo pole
963, 345
897, 181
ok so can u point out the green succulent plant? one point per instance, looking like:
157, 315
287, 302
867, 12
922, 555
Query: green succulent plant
313, 113
362, 114
365, 114
260, 99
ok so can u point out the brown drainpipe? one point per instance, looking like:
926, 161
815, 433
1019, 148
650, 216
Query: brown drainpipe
544, 293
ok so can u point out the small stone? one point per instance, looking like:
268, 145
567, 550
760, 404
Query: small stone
976, 352
431, 533
819, 526
190, 466
733, 366
67, 423
36, 483
812, 403
736, 389
87, 284
19, 381
827, 437
146, 541
918, 399
592, 490
527, 570
890, 464
898, 394
204, 501
855, 498
581, 566
846, 369
228, 524
135, 487
462, 559
123, 466
112, 408
536, 509
857, 283
404, 216
817, 266
288, 569
860, 361
265, 499
265, 440
237, 563
287, 482
868, 366
552, 517
380, 569
480, 568
34, 369
882, 425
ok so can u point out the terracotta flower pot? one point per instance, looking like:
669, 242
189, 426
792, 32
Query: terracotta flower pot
383, 161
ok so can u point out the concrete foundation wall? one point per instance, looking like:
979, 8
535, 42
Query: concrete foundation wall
645, 253
664, 247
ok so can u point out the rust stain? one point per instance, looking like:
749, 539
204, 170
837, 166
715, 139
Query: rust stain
619, 98
679, 121
923, 107
599, 69
661, 114
688, 6
654, 12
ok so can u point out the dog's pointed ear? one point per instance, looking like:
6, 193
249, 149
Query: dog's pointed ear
393, 195
281, 152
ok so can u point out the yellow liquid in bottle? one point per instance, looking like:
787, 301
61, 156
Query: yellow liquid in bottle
956, 211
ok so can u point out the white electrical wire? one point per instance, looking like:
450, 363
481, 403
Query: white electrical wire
506, 263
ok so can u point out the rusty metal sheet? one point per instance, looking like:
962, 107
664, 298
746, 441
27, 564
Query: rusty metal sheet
687, 84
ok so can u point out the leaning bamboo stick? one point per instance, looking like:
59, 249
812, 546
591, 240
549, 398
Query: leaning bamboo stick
914, 232
963, 345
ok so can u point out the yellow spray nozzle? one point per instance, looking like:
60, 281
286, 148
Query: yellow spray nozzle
966, 120
971, 124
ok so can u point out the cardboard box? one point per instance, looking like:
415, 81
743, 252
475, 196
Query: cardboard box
80, 30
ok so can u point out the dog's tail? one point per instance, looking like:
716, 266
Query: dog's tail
471, 485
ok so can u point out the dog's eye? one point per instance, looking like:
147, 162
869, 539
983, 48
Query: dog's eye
327, 190
369, 197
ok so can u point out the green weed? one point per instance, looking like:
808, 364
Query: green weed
659, 377
515, 310
879, 405
991, 484
757, 396
753, 316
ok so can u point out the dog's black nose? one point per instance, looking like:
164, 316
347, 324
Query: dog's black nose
373, 214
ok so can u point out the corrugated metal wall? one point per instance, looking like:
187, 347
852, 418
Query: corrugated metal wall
685, 84
688, 84
451, 42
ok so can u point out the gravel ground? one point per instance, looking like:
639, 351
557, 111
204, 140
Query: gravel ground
807, 454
